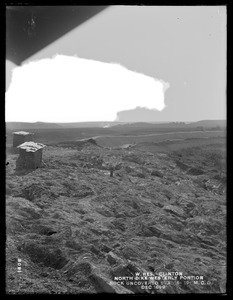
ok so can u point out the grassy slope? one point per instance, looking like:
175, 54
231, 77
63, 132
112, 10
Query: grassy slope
72, 224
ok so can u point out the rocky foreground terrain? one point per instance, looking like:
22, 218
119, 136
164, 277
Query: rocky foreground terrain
71, 228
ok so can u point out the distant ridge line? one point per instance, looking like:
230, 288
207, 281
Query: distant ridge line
105, 124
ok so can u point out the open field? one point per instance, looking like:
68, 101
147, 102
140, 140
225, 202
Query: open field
116, 141
77, 230
51, 133
111, 138
168, 146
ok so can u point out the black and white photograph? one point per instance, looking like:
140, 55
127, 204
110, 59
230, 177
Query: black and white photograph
115, 149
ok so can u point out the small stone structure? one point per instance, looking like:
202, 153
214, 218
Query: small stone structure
20, 137
30, 155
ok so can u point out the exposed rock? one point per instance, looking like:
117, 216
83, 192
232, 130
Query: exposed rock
195, 171
106, 285
130, 252
48, 257
119, 224
73, 245
34, 191
43, 230
105, 249
182, 165
95, 251
174, 209
105, 212
25, 207
113, 259
157, 173
168, 193
76, 229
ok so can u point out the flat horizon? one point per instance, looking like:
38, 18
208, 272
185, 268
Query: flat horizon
176, 121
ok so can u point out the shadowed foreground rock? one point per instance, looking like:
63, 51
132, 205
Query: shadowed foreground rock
106, 285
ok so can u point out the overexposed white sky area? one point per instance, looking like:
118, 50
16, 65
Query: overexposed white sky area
69, 88
122, 59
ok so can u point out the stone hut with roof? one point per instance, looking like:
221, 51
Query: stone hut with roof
19, 137
30, 155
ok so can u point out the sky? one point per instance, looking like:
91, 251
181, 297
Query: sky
169, 59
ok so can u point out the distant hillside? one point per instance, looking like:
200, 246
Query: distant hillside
145, 115
88, 124
139, 114
134, 124
29, 126
147, 125
12, 126
209, 123
157, 125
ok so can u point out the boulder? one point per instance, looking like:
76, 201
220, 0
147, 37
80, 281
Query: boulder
157, 173
174, 209
106, 285
113, 259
